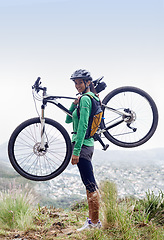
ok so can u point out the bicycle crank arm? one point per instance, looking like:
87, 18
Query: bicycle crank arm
134, 129
98, 138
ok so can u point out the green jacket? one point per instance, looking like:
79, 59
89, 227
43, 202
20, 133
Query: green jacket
80, 125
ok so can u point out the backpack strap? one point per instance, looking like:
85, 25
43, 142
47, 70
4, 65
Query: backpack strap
78, 108
96, 110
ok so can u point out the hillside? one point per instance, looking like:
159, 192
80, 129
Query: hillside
134, 172
120, 218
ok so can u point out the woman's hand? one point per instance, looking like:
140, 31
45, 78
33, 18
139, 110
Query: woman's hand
75, 159
76, 101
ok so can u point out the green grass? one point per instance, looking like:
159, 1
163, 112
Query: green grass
109, 204
129, 219
16, 208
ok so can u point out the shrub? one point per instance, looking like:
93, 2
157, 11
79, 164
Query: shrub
152, 207
108, 203
16, 208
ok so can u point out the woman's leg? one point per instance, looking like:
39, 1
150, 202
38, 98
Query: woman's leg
87, 176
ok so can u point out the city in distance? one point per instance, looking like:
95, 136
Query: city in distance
133, 172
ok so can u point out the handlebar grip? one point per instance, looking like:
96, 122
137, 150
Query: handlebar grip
38, 79
36, 84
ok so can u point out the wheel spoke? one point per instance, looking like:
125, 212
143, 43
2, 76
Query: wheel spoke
142, 110
30, 160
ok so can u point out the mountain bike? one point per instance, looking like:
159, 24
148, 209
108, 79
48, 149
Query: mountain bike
40, 148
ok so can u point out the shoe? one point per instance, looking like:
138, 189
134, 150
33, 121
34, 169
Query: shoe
86, 225
89, 225
98, 225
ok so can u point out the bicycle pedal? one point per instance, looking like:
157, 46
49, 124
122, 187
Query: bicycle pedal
105, 147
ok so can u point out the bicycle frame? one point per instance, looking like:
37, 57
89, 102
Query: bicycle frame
53, 100
126, 115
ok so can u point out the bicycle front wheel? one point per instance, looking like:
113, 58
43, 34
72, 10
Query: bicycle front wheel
139, 127
26, 157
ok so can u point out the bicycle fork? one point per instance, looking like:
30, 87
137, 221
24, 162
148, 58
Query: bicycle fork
42, 119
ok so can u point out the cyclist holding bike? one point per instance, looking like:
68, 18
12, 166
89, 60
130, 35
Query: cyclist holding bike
83, 147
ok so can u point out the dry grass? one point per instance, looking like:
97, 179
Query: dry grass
122, 219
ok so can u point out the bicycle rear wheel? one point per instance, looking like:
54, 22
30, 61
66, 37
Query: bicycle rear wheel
142, 123
26, 157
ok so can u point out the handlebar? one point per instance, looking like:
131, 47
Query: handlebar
37, 86
96, 83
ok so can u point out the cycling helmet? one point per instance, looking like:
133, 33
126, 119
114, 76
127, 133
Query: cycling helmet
81, 73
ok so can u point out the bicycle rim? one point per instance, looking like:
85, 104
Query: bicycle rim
24, 151
144, 114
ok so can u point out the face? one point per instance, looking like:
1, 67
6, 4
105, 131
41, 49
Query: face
80, 85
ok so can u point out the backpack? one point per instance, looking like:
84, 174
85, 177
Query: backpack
95, 117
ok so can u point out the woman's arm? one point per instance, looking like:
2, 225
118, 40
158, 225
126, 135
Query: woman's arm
85, 110
68, 117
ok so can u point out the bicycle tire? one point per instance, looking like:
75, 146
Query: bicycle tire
28, 161
138, 101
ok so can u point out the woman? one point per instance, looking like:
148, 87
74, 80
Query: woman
83, 147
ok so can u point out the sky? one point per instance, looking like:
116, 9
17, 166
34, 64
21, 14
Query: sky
121, 40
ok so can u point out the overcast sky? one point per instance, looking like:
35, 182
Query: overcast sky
121, 40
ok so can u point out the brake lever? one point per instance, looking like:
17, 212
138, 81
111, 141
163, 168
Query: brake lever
36, 85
